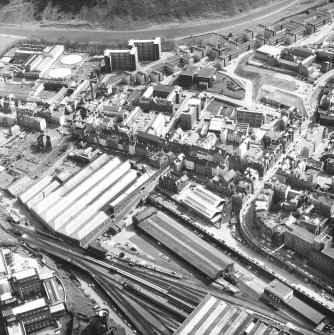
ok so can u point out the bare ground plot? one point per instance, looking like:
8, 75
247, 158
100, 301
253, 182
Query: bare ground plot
283, 97
227, 86
261, 77
146, 248
23, 156
6, 41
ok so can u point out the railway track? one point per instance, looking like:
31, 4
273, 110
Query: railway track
99, 270
127, 309
127, 275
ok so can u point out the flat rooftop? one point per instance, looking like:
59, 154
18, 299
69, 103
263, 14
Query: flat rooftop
24, 274
269, 50
279, 289
207, 72
29, 306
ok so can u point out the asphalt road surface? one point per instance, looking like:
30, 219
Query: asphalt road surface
177, 31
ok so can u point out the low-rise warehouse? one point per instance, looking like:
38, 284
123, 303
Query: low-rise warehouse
200, 255
75, 209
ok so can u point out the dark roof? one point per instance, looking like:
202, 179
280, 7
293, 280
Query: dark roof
307, 311
151, 137
297, 30
302, 49
286, 62
273, 135
186, 57
207, 72
280, 35
316, 21
302, 233
191, 248
329, 252
279, 288
187, 73
163, 88
314, 163
251, 42
173, 58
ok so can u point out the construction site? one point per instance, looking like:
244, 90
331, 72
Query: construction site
21, 156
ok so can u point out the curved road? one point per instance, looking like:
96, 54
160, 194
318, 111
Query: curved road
177, 31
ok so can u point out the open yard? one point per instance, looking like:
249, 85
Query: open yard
6, 41
281, 97
261, 77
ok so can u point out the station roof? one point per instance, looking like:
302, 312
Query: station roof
191, 248
309, 312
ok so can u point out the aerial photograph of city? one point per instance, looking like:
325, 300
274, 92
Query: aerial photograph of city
166, 167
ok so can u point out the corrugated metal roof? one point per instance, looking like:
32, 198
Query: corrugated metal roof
44, 192
215, 317
34, 189
107, 174
75, 180
188, 246
99, 219
74, 192
308, 312
141, 180
70, 229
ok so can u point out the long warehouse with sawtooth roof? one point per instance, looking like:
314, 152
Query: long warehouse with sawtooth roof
77, 208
